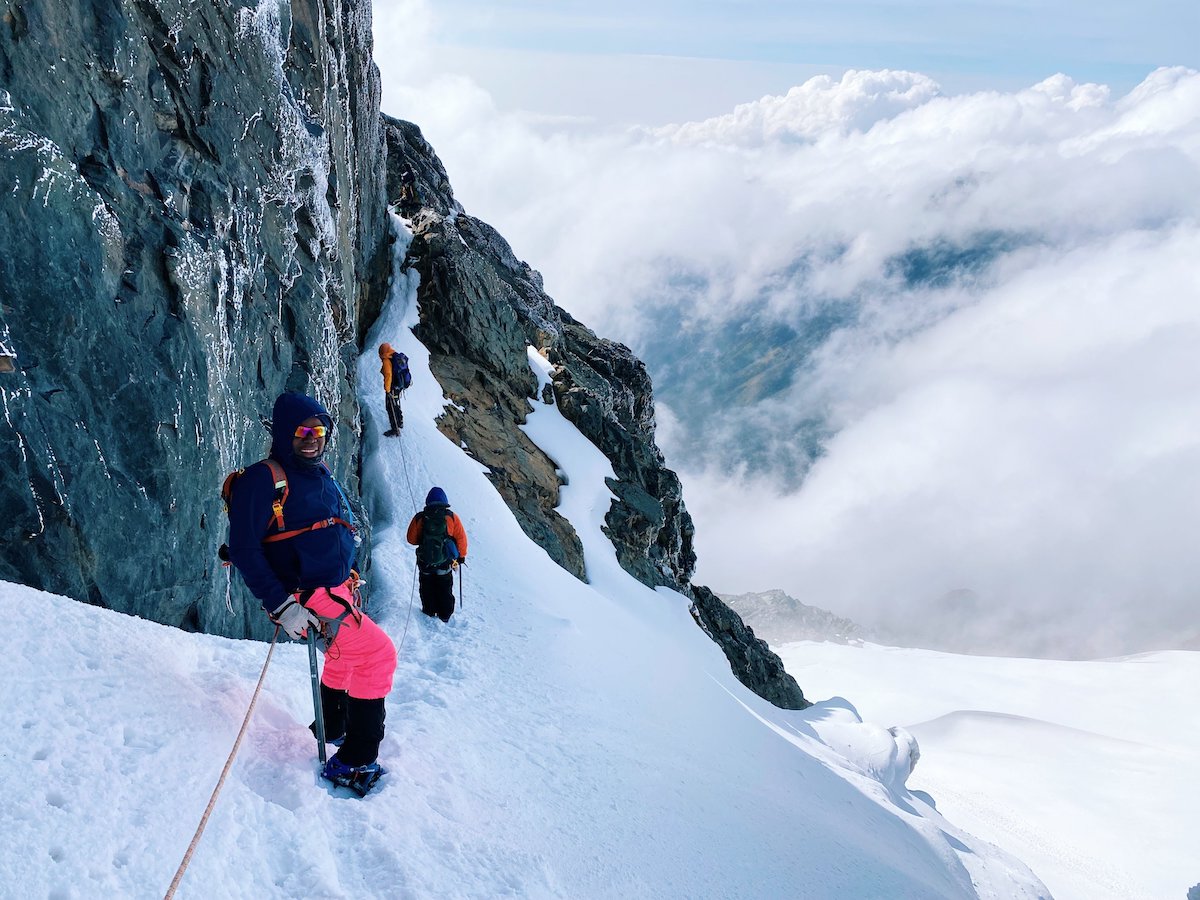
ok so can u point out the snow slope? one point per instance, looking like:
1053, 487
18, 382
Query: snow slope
1084, 770
555, 739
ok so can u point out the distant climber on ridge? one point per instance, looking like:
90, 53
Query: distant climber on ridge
291, 536
441, 544
408, 187
396, 378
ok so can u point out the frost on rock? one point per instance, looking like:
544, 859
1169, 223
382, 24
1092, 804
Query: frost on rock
55, 173
298, 177
209, 313
298, 186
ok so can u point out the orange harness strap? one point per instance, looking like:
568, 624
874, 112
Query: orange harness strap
281, 494
280, 481
324, 523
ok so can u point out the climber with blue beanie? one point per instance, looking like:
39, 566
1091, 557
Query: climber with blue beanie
441, 543
292, 538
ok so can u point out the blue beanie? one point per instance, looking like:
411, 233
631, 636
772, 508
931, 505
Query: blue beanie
436, 497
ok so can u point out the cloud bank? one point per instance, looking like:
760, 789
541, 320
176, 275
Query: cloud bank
966, 332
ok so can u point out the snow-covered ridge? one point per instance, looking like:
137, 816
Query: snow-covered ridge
556, 739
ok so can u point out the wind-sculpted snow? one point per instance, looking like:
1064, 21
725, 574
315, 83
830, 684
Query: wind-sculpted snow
554, 739
1074, 767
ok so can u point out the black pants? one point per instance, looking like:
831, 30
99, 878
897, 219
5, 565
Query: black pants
437, 595
361, 721
394, 413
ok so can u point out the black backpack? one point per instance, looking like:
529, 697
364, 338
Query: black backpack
401, 376
437, 549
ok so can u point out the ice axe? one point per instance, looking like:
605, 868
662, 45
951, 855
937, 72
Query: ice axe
318, 713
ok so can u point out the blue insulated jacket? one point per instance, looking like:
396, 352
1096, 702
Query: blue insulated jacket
320, 558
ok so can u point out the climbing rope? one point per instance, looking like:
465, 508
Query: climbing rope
404, 468
408, 617
212, 801
412, 500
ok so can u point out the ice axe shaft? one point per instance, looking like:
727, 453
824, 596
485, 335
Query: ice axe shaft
318, 713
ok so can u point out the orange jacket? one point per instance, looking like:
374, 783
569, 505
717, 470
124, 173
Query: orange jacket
385, 354
454, 529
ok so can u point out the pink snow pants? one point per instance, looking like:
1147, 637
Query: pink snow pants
361, 659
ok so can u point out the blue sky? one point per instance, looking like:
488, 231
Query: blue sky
665, 60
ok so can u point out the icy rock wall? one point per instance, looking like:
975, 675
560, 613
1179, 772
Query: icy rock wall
192, 219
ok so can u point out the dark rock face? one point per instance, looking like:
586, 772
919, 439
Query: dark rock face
480, 308
753, 662
604, 390
193, 220
427, 186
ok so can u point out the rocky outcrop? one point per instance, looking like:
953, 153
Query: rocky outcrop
752, 661
605, 391
480, 308
193, 220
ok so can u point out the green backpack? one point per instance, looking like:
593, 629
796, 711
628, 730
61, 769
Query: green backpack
437, 549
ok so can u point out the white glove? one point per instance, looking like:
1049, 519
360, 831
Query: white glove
294, 618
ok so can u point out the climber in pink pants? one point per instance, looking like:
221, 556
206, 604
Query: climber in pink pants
292, 538
360, 659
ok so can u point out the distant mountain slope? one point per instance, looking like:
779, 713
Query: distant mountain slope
753, 366
779, 619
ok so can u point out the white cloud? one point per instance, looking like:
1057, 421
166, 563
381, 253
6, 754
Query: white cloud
1039, 447
404, 32
600, 213
1020, 427
808, 111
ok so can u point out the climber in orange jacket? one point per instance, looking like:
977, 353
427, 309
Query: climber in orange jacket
441, 543
396, 377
